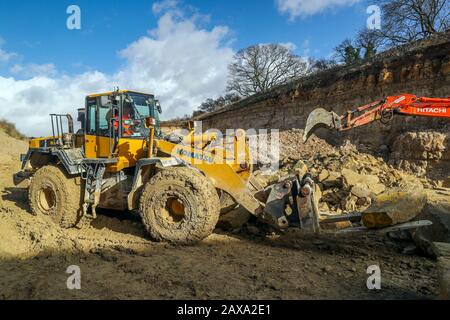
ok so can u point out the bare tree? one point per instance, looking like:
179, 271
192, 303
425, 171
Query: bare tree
409, 20
258, 68
370, 42
346, 52
210, 105
321, 64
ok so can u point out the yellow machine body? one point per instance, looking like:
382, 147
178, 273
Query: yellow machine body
228, 164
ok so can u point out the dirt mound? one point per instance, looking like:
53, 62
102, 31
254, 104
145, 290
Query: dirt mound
11, 148
23, 236
11, 130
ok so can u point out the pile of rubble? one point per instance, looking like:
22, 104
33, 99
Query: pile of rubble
348, 180
354, 179
292, 146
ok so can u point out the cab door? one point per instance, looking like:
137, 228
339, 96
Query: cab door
104, 136
98, 138
90, 138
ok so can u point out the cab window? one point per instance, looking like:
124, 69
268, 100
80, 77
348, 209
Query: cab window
98, 116
91, 120
104, 116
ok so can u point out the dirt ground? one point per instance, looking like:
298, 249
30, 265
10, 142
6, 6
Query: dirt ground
118, 261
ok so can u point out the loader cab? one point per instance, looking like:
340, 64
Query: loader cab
115, 126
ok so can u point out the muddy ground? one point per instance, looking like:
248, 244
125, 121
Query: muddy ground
118, 261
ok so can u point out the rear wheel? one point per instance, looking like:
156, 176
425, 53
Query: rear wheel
179, 205
57, 195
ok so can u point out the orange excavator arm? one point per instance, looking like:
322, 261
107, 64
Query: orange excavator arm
382, 110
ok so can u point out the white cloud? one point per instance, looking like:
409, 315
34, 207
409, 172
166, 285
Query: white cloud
33, 70
289, 45
306, 48
297, 8
27, 103
180, 62
4, 55
165, 5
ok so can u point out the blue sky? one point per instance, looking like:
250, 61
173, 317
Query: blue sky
36, 28
117, 37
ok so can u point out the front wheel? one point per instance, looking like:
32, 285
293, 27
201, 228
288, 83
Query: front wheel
179, 205
55, 194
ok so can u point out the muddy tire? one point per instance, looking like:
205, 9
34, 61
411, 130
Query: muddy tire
179, 205
53, 193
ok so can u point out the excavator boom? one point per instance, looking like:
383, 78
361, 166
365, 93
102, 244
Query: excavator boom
382, 110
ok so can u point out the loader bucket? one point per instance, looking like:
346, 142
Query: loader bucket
320, 118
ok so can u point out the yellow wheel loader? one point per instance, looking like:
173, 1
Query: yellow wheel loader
120, 160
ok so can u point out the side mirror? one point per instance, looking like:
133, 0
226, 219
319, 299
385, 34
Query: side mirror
158, 106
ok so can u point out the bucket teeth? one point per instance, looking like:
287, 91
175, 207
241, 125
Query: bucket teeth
320, 118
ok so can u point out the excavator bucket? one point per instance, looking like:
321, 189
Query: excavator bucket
320, 118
